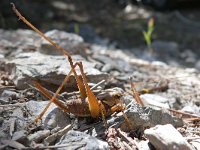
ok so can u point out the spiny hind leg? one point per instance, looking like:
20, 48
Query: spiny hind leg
52, 98
49, 96
97, 107
92, 100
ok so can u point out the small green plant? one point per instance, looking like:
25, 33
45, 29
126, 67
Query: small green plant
76, 28
147, 34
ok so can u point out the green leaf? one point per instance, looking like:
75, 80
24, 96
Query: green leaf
147, 38
76, 28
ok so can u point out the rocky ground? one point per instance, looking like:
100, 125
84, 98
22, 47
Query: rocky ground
167, 86
164, 89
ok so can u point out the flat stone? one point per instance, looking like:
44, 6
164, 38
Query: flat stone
48, 69
144, 117
20, 136
68, 41
38, 136
80, 140
113, 64
54, 117
14, 42
191, 108
7, 95
153, 100
166, 137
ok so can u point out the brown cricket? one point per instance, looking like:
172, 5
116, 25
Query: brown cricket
88, 104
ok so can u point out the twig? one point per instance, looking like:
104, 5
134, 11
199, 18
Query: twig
77, 92
192, 138
192, 120
11, 143
58, 134
182, 113
7, 87
96, 85
133, 142
54, 146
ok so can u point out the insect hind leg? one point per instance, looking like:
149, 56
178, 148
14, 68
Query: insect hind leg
53, 98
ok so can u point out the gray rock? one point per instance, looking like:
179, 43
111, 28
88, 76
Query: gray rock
113, 64
159, 63
153, 100
57, 118
2, 56
195, 143
57, 135
48, 69
1, 120
187, 53
69, 41
189, 56
8, 95
173, 63
197, 65
14, 42
108, 68
20, 136
38, 136
80, 140
103, 59
144, 145
165, 46
18, 37
54, 117
19, 114
143, 117
4, 100
126, 98
166, 137
191, 108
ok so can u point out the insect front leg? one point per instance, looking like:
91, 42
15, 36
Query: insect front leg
121, 107
135, 94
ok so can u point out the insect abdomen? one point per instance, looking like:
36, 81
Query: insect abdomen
78, 108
